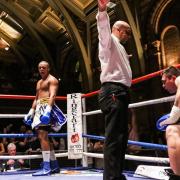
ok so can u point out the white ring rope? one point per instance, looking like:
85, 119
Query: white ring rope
133, 157
13, 116
139, 104
133, 105
31, 156
95, 155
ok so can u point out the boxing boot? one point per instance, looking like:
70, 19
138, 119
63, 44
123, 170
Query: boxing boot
54, 167
45, 171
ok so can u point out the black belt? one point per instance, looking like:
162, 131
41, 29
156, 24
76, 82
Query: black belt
117, 84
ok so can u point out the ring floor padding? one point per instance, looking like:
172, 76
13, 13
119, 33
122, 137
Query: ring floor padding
65, 175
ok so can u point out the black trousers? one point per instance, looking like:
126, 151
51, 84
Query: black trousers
113, 101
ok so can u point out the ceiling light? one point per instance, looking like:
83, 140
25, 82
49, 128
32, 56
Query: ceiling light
6, 48
10, 31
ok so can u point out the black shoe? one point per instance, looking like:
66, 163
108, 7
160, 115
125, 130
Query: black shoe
171, 174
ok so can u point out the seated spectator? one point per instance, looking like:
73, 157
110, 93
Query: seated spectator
12, 164
7, 130
90, 145
22, 129
133, 133
2, 149
98, 146
32, 143
58, 143
54, 142
21, 146
62, 144
90, 148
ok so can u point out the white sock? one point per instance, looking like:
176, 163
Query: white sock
46, 156
52, 156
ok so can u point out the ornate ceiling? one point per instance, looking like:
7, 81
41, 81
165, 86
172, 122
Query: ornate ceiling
65, 33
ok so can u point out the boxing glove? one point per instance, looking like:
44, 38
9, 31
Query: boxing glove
45, 118
28, 119
172, 119
163, 118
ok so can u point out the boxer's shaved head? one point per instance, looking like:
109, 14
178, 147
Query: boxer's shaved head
44, 62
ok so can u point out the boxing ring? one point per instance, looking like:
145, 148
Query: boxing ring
80, 151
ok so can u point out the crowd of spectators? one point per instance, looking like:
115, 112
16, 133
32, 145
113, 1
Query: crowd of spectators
31, 145
22, 146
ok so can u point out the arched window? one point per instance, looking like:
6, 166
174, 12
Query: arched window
170, 45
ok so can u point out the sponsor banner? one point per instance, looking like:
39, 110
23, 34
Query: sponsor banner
74, 126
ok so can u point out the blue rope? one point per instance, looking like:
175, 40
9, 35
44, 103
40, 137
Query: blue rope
94, 137
148, 145
142, 144
31, 135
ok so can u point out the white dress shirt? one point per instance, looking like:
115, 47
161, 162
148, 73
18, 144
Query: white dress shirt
113, 57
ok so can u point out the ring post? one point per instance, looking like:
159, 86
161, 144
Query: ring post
84, 130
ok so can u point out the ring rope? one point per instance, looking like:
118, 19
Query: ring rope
133, 105
134, 81
31, 135
130, 157
31, 156
94, 155
13, 116
25, 97
142, 144
139, 104
149, 76
133, 157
